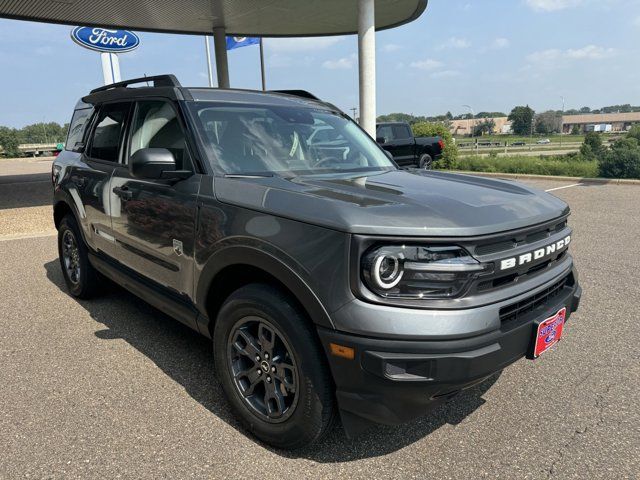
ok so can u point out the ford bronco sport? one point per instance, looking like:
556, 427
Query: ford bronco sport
331, 282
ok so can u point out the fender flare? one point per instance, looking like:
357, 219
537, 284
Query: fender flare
254, 257
61, 196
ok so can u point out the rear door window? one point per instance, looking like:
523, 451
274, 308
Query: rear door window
107, 135
401, 132
78, 126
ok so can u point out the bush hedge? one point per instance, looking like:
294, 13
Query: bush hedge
529, 165
431, 129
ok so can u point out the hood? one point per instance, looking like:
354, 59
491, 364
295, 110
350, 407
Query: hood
404, 203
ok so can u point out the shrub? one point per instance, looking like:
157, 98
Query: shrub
634, 132
429, 129
529, 165
592, 146
622, 161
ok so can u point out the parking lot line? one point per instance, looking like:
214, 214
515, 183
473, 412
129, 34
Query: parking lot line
566, 186
22, 236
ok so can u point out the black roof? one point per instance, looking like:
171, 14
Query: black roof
169, 87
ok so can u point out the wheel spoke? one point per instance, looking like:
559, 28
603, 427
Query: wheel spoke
254, 378
274, 401
285, 372
267, 337
245, 344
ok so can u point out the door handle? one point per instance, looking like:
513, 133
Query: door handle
123, 192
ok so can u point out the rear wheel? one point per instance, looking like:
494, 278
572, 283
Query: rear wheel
425, 161
79, 275
272, 367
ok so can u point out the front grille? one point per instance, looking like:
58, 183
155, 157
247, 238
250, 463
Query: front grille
504, 245
517, 310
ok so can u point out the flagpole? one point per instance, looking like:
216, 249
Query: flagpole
264, 81
206, 46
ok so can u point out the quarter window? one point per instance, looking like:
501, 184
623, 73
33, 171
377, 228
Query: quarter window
77, 128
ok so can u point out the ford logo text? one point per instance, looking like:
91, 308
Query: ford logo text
105, 40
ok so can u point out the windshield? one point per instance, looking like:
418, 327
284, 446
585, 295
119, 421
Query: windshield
263, 139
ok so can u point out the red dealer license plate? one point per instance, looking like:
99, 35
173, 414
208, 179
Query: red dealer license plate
549, 332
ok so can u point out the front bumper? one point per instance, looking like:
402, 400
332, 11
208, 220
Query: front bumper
392, 381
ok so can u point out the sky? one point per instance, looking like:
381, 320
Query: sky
490, 54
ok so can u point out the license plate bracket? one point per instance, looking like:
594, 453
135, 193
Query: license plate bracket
547, 332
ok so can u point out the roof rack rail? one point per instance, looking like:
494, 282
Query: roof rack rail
158, 81
298, 93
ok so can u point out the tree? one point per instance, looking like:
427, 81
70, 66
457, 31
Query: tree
592, 146
585, 110
521, 119
575, 130
486, 126
9, 141
634, 132
450, 152
548, 122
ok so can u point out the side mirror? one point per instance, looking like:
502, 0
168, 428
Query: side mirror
155, 164
380, 140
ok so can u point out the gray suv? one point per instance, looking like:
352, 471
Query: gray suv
331, 282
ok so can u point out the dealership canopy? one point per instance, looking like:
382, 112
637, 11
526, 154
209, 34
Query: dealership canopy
262, 18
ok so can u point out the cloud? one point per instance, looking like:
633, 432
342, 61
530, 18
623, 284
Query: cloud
552, 5
454, 42
391, 47
445, 74
428, 64
291, 45
500, 43
590, 52
344, 63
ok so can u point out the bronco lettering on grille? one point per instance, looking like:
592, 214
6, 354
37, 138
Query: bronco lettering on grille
529, 257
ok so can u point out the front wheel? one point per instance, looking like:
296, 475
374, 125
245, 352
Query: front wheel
272, 367
425, 161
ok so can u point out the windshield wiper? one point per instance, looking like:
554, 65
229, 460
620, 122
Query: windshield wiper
248, 175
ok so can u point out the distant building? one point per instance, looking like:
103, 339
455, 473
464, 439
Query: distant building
600, 122
464, 127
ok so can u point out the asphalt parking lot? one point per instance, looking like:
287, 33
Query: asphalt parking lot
114, 388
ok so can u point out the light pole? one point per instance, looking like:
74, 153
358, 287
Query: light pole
562, 121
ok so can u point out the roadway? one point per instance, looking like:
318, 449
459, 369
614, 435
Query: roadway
114, 388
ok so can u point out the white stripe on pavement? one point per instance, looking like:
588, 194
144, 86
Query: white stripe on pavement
22, 236
566, 186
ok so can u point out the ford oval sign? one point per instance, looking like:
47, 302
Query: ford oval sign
105, 40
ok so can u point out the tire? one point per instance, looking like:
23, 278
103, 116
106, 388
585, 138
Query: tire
305, 407
79, 275
425, 161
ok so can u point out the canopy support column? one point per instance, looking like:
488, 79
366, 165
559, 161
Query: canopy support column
367, 65
222, 63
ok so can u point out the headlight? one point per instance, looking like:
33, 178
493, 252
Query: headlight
415, 271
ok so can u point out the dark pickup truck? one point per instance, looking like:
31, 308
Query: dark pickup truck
407, 150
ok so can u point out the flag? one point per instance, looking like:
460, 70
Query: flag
237, 42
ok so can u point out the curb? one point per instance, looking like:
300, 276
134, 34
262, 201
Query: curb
516, 176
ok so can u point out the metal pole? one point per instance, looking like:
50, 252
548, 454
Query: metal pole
222, 63
208, 50
264, 79
561, 121
110, 68
367, 65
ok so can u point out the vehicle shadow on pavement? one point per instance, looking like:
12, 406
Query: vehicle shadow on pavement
185, 356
